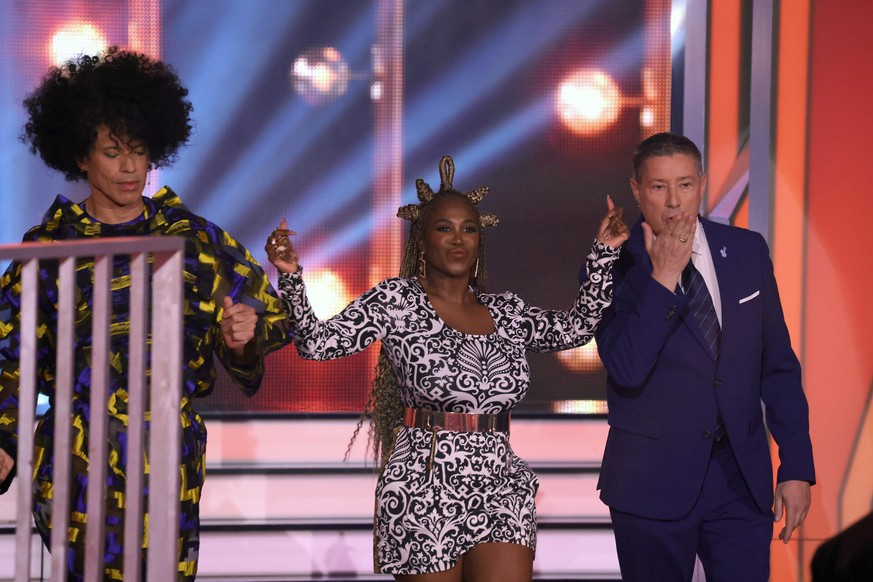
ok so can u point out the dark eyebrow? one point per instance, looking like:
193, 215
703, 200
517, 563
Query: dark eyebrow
690, 177
470, 220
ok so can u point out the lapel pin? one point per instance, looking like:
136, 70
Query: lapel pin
724, 252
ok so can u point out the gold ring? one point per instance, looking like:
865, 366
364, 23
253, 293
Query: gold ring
683, 238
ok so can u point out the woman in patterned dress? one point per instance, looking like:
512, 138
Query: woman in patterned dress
453, 501
107, 120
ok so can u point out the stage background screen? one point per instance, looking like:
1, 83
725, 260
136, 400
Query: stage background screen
543, 101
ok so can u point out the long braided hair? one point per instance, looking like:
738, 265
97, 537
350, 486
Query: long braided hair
384, 406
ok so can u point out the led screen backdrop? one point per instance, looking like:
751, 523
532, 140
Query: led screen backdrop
326, 111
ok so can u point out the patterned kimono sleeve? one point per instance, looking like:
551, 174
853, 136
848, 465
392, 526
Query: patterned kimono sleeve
361, 323
550, 330
10, 289
10, 349
10, 339
244, 280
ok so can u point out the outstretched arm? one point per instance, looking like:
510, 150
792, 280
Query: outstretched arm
550, 330
361, 323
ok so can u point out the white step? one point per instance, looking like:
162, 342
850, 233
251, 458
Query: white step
350, 496
280, 504
312, 441
580, 555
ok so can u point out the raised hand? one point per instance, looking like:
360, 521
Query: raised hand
279, 249
613, 231
671, 250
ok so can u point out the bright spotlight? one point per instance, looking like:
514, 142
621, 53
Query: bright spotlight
647, 117
588, 102
320, 75
74, 39
581, 359
327, 292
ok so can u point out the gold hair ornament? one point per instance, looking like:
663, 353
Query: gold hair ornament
412, 212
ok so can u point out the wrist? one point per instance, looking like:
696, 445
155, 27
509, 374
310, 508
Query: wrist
244, 354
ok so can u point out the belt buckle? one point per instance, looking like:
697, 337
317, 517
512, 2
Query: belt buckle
431, 418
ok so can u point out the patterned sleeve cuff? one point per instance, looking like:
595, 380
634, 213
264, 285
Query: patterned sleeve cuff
290, 283
603, 254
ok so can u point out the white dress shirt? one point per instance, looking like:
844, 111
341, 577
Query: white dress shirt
702, 258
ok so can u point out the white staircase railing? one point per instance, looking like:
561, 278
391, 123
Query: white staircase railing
165, 389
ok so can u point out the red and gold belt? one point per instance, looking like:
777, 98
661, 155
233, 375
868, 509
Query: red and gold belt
456, 421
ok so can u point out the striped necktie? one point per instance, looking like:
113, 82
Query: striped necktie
700, 304
701, 307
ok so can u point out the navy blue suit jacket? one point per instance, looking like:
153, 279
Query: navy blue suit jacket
663, 383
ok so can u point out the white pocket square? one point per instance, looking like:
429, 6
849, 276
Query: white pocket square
750, 297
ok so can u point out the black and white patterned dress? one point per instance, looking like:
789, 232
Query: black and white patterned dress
441, 493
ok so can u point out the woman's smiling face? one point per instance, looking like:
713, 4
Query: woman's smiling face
451, 238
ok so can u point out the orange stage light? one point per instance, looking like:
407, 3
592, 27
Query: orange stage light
588, 102
76, 38
582, 359
327, 292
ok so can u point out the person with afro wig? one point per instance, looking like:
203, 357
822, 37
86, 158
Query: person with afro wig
109, 119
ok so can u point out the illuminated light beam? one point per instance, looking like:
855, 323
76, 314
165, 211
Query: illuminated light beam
262, 167
356, 45
347, 239
495, 143
677, 26
518, 127
625, 56
464, 85
322, 200
313, 203
418, 17
12, 155
348, 181
473, 158
256, 169
219, 76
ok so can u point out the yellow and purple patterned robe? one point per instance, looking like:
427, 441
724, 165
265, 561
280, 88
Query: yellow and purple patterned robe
215, 265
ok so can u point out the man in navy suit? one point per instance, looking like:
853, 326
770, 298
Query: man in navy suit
697, 358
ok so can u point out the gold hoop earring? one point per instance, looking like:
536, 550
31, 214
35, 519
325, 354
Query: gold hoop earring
422, 266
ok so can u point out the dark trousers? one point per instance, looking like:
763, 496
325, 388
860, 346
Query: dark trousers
724, 528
